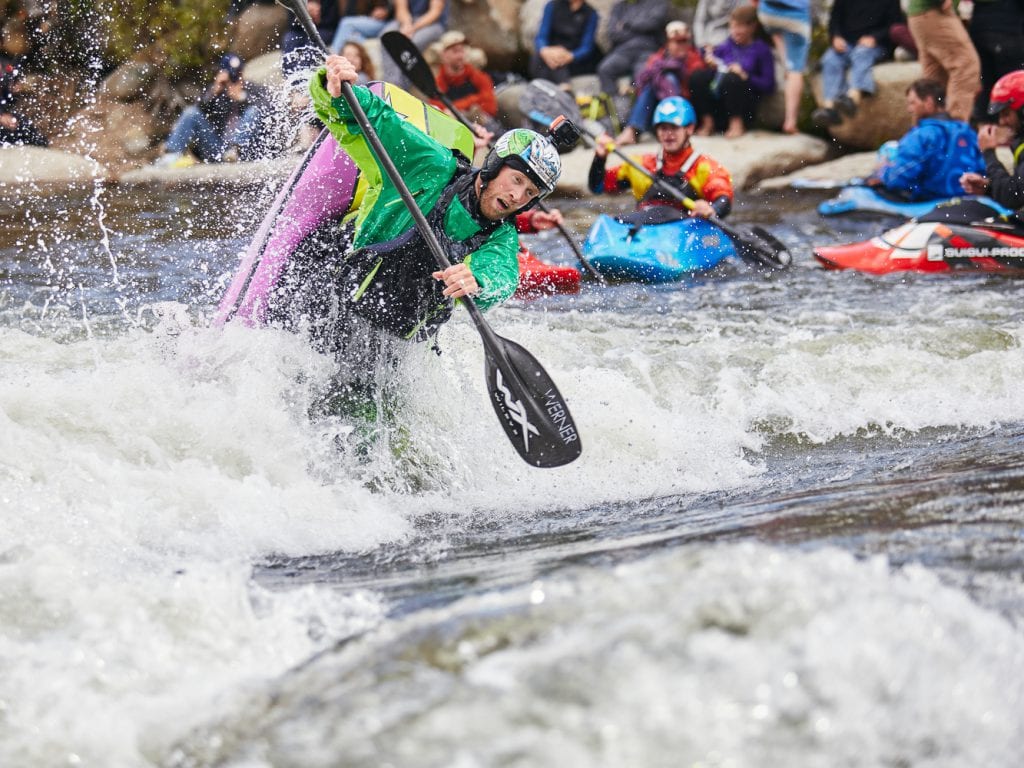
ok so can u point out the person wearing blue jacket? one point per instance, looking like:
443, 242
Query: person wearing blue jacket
566, 42
932, 156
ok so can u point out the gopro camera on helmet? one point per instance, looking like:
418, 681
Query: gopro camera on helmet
563, 133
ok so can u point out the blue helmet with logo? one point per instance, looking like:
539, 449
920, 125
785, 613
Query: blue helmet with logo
675, 110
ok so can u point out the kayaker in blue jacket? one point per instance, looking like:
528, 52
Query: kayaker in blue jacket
933, 155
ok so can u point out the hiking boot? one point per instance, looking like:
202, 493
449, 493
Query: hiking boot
826, 116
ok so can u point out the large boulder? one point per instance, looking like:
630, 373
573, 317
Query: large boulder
130, 81
36, 165
116, 134
258, 30
754, 156
881, 117
492, 26
265, 70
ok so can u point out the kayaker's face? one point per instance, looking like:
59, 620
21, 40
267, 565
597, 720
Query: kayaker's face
920, 108
1010, 118
673, 138
506, 193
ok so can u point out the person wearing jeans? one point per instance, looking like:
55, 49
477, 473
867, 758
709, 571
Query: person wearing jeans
859, 33
423, 22
363, 20
229, 116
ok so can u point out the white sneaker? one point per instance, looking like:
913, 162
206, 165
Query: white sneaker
167, 159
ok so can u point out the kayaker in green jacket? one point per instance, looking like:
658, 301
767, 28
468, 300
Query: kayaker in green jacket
388, 275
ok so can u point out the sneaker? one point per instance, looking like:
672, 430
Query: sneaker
902, 54
175, 160
846, 105
167, 160
826, 116
231, 155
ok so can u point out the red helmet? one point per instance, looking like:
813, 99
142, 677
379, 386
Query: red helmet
1007, 92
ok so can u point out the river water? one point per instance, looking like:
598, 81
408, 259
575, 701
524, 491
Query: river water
795, 535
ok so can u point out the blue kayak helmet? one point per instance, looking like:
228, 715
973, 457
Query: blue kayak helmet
675, 110
529, 152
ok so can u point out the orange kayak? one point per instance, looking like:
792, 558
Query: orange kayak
538, 278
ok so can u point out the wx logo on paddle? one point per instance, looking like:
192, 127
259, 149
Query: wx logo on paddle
515, 411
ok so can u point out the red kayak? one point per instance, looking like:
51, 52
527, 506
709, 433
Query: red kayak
537, 278
933, 247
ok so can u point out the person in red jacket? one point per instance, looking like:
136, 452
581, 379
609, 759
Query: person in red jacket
698, 177
470, 90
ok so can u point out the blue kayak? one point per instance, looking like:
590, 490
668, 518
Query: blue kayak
655, 246
861, 199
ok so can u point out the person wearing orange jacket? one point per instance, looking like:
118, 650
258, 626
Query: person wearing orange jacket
469, 89
698, 177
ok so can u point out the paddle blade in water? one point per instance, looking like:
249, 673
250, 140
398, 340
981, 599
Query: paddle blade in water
760, 247
530, 408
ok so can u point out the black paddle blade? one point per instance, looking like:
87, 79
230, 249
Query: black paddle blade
409, 59
761, 248
530, 408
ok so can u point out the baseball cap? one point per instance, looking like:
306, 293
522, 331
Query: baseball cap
677, 29
450, 38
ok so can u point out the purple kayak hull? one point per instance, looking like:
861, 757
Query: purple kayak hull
321, 187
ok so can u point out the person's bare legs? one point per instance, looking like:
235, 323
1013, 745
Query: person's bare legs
794, 89
736, 128
707, 126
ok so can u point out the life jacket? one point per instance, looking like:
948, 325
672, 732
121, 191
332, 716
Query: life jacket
390, 284
678, 180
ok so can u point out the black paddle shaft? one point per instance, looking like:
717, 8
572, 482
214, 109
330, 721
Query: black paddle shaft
528, 405
407, 55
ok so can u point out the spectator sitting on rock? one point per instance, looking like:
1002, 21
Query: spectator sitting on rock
15, 128
930, 159
298, 51
423, 22
566, 42
634, 32
666, 73
741, 70
226, 123
468, 88
363, 20
859, 32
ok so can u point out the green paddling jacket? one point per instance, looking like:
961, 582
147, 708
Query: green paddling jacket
427, 167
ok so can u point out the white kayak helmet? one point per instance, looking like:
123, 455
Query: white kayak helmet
528, 152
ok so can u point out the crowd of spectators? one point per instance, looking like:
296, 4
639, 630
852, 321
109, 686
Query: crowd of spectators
733, 56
